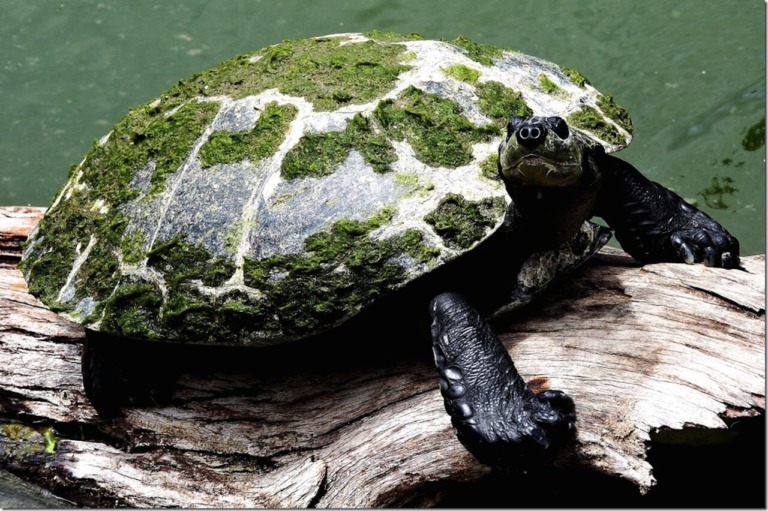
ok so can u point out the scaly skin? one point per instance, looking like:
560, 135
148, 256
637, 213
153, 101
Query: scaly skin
496, 415
654, 224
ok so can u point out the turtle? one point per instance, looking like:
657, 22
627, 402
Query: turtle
291, 191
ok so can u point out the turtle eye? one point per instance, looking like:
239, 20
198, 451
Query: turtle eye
558, 126
513, 124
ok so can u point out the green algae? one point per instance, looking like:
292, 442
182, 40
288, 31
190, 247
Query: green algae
31, 440
261, 141
414, 184
132, 247
316, 155
754, 138
461, 222
140, 309
483, 53
392, 37
590, 120
182, 262
500, 102
549, 86
353, 268
618, 114
462, 72
320, 154
168, 142
489, 168
133, 310
147, 135
341, 270
324, 71
435, 127
714, 194
233, 236
575, 77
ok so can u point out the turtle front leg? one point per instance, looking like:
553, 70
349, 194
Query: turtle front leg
654, 224
496, 415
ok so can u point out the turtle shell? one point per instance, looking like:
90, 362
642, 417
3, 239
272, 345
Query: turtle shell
282, 191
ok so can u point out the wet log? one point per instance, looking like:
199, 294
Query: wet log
663, 352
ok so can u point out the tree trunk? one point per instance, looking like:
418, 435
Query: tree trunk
665, 352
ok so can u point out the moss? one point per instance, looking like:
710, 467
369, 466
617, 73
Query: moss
482, 53
341, 271
461, 222
324, 71
549, 86
462, 72
320, 154
258, 143
619, 115
500, 103
589, 119
435, 127
489, 167
575, 77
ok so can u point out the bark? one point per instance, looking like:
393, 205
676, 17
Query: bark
663, 351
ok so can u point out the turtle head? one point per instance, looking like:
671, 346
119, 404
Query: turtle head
542, 151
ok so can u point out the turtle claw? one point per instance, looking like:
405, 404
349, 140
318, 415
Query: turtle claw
684, 251
704, 241
496, 415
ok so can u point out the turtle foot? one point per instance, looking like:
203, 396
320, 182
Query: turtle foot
496, 415
119, 372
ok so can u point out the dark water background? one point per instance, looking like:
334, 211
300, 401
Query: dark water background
692, 73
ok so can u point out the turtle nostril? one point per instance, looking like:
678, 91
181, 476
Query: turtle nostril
531, 135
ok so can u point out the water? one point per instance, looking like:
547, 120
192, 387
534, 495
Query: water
691, 72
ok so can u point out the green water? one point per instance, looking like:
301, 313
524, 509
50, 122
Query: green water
691, 72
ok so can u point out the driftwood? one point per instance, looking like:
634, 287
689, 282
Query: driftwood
647, 352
